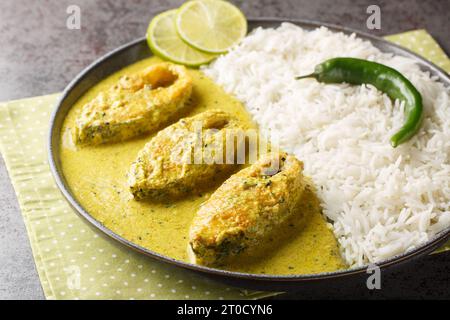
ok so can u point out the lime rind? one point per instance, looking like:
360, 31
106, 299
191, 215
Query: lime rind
217, 41
164, 41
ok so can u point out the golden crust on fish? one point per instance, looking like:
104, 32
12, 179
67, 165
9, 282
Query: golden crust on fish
246, 208
137, 104
168, 166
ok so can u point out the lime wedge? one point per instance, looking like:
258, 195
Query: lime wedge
211, 25
164, 41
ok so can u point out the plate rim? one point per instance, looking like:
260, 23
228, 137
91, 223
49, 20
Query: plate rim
426, 247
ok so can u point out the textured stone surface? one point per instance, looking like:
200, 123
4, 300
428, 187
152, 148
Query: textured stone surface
39, 55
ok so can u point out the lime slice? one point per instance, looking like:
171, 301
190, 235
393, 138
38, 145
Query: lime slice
211, 25
164, 41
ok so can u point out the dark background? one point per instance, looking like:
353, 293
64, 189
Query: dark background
39, 55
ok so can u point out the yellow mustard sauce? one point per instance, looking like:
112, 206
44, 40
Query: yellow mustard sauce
96, 176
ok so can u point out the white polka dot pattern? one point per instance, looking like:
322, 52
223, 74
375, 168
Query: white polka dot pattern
73, 262
421, 42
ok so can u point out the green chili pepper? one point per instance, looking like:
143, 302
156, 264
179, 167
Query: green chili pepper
385, 79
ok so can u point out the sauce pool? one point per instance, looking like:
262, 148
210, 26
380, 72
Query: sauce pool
96, 176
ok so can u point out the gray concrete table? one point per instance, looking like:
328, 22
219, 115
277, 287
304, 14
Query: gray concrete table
39, 55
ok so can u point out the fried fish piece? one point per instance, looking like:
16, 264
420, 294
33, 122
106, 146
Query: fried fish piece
246, 208
137, 104
169, 166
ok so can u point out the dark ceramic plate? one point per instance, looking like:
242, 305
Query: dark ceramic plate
138, 50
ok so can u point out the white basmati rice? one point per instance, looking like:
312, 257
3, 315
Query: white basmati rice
382, 201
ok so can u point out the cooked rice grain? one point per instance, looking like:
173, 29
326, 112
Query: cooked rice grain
382, 201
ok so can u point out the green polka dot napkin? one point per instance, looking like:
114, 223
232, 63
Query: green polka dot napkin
72, 260
422, 43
